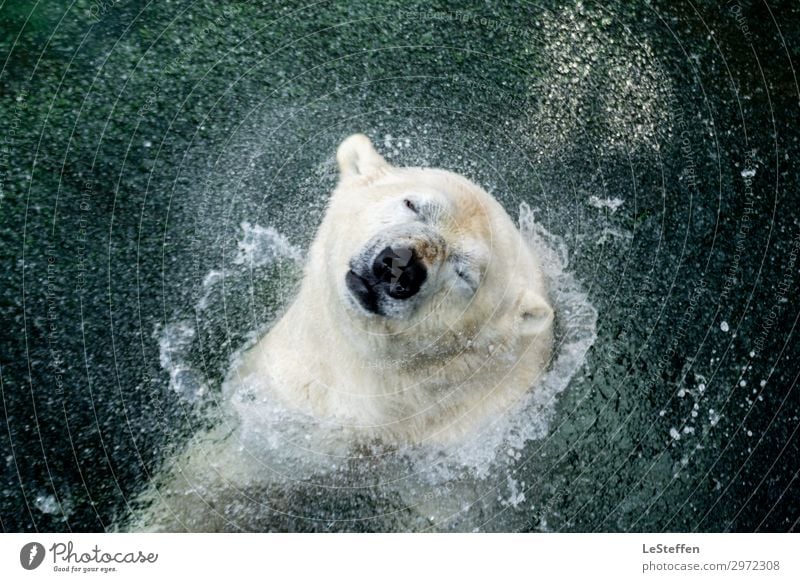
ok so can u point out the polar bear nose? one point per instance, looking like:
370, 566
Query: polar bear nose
400, 271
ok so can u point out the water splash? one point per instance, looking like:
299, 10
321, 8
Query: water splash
258, 247
174, 341
261, 246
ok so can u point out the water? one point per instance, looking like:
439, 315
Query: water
164, 173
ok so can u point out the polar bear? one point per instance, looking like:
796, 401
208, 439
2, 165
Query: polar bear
422, 313
421, 318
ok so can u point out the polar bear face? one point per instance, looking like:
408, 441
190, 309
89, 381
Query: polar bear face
428, 251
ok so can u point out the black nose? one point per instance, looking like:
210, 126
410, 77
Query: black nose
400, 271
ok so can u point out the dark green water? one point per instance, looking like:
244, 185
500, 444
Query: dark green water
658, 140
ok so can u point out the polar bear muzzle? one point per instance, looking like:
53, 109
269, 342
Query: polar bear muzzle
400, 270
396, 273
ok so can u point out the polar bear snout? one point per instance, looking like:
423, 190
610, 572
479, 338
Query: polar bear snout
399, 271
396, 273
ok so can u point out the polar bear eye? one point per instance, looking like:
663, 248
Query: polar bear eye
466, 276
411, 206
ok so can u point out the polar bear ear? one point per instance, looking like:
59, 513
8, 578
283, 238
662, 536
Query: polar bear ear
535, 314
357, 158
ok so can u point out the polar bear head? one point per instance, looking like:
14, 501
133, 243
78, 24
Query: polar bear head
423, 260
